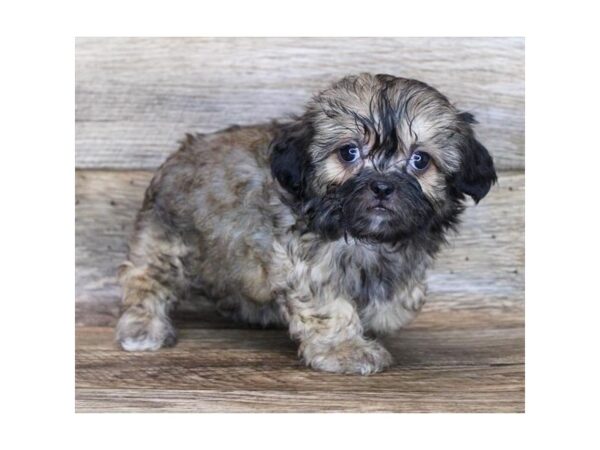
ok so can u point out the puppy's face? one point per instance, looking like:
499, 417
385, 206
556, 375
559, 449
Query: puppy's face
381, 158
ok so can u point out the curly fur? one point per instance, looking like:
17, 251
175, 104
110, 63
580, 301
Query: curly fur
278, 229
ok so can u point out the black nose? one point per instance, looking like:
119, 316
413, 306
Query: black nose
382, 189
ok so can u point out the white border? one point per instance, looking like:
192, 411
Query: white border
561, 237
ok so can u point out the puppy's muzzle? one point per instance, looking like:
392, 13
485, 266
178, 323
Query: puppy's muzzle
381, 189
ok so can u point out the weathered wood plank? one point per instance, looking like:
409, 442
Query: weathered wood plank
135, 97
204, 351
482, 268
478, 367
163, 400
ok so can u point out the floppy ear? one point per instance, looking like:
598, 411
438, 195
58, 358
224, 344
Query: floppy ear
477, 172
290, 160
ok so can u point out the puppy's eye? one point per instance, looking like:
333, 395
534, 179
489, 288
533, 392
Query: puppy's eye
420, 160
349, 153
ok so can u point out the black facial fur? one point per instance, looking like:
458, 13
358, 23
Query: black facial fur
406, 207
348, 209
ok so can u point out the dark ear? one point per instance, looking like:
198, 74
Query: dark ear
290, 162
477, 172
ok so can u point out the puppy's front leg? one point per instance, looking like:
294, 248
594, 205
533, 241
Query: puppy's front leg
331, 336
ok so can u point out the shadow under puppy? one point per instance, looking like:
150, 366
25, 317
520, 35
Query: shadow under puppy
325, 224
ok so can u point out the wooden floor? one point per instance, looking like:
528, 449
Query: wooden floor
446, 361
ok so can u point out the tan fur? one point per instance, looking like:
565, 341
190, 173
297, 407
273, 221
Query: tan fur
219, 216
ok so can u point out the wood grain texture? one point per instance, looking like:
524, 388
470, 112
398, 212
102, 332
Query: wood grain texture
482, 268
461, 362
136, 97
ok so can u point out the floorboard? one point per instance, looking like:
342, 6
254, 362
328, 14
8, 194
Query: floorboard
461, 361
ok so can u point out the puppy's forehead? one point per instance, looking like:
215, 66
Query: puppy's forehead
386, 112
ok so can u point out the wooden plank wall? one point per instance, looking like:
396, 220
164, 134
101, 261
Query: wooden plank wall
135, 98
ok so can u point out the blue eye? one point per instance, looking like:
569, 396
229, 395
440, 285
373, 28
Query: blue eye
420, 160
349, 153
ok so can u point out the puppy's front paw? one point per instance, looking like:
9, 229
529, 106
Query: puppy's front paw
139, 331
356, 356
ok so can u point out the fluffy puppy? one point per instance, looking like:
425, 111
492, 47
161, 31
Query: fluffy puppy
325, 224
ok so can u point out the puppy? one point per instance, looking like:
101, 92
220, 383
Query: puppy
325, 224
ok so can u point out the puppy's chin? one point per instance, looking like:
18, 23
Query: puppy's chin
380, 225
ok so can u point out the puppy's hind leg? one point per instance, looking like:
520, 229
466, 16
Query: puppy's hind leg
153, 280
